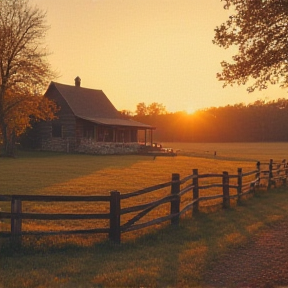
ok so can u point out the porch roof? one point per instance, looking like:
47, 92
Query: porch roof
117, 122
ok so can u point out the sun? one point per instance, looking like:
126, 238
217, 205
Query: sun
191, 110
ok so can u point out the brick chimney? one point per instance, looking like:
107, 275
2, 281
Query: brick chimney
77, 81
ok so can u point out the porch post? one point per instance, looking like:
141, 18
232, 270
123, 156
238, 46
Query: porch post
151, 133
114, 134
129, 135
96, 133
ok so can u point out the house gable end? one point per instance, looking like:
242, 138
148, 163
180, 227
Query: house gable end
53, 94
64, 124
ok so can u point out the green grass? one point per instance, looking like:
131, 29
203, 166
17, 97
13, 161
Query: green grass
162, 257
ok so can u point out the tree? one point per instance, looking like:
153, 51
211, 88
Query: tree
141, 109
156, 109
259, 29
24, 70
152, 109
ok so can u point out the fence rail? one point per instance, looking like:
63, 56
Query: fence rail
190, 187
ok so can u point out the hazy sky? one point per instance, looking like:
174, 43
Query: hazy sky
144, 51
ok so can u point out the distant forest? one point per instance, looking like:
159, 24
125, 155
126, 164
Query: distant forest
257, 122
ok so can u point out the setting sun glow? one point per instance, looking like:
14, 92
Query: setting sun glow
144, 51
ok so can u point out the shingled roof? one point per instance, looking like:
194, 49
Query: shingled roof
94, 106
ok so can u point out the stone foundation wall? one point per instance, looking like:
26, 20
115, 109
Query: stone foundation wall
88, 146
58, 145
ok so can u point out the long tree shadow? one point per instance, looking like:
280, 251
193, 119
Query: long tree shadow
29, 174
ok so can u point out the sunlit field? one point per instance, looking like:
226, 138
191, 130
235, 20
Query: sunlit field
233, 151
162, 256
60, 174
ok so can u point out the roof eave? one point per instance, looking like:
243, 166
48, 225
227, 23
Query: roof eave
97, 121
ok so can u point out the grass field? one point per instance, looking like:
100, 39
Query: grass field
234, 151
166, 257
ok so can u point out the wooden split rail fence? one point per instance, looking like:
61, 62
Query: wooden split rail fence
274, 174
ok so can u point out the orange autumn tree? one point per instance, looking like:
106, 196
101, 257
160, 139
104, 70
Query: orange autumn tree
24, 70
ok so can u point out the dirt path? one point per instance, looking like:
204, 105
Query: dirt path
261, 263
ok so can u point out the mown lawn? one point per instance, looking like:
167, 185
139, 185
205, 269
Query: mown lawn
163, 257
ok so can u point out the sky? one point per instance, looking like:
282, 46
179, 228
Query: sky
144, 51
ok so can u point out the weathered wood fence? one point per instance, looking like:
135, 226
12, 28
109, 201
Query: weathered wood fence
274, 174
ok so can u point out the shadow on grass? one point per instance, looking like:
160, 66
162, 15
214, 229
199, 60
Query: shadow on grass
32, 171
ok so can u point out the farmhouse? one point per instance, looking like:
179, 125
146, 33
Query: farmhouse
87, 122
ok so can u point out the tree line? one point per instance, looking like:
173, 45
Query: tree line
256, 122
142, 109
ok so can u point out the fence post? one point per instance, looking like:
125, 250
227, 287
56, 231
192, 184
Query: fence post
239, 183
195, 192
270, 174
285, 172
226, 197
258, 174
175, 203
16, 221
115, 211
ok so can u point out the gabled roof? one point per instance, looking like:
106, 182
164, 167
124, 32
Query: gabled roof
94, 106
